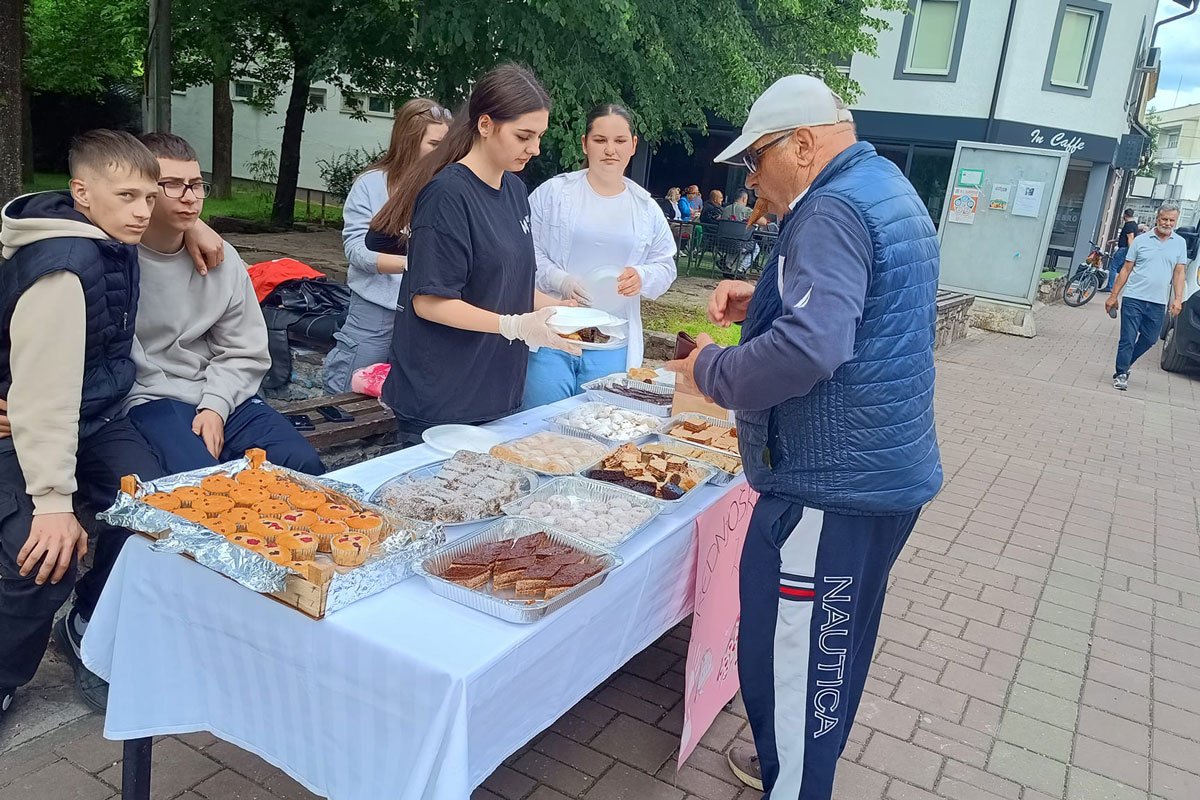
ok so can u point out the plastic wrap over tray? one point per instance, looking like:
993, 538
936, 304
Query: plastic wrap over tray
564, 423
511, 609
391, 563
588, 490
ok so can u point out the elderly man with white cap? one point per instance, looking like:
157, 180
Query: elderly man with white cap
832, 385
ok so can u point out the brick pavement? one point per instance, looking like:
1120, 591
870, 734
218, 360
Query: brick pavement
1039, 641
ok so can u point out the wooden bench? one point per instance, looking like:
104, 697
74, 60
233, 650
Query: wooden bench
370, 418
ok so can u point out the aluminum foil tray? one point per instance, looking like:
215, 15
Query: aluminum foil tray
677, 446
576, 489
560, 424
402, 542
714, 421
598, 391
572, 434
530, 480
507, 606
707, 471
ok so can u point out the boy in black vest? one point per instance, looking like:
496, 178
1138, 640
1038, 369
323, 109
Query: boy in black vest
68, 302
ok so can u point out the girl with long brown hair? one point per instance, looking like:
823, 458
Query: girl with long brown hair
376, 262
469, 292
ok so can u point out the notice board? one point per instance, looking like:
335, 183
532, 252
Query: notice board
999, 253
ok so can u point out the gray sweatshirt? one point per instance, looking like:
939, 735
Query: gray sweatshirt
201, 339
367, 195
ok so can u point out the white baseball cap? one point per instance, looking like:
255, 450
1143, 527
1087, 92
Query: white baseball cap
797, 101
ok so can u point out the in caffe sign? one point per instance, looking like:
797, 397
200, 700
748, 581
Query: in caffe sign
1076, 144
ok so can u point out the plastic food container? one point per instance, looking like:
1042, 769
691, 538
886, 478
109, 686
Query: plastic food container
707, 472
693, 417
564, 424
578, 492
585, 441
505, 605
599, 391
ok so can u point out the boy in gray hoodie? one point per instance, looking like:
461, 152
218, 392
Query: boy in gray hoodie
201, 347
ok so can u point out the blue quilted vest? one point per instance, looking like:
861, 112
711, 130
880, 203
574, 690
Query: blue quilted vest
862, 442
108, 272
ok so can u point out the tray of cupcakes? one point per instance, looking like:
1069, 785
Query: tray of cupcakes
517, 569
309, 543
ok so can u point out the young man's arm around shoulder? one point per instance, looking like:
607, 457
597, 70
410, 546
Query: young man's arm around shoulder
49, 335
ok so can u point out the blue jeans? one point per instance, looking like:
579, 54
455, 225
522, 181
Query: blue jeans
1141, 324
1114, 266
554, 375
167, 426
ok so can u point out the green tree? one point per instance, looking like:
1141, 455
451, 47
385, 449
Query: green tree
1149, 165
82, 47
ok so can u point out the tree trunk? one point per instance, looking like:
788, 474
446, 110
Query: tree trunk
283, 212
26, 136
222, 130
11, 130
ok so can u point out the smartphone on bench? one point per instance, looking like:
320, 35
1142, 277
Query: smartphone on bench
335, 414
300, 422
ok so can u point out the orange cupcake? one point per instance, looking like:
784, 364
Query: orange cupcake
254, 477
366, 522
306, 500
350, 549
300, 520
334, 511
214, 505
247, 541
271, 508
325, 530
218, 484
162, 500
269, 529
222, 526
241, 517
186, 495
192, 515
247, 496
276, 554
302, 546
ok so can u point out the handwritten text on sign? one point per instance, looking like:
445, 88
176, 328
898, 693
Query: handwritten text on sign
712, 677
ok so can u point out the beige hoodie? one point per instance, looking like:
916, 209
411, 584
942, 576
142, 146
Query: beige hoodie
49, 337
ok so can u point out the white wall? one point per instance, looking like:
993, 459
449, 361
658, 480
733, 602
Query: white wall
326, 132
968, 96
1022, 98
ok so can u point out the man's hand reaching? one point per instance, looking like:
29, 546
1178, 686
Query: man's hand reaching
53, 540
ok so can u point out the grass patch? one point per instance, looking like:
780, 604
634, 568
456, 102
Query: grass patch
248, 202
672, 319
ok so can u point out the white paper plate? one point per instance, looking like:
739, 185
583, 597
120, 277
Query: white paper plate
568, 320
450, 439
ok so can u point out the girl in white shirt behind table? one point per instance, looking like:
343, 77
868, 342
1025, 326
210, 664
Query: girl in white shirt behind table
593, 228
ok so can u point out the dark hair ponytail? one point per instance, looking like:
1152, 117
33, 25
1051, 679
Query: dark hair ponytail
504, 93
608, 110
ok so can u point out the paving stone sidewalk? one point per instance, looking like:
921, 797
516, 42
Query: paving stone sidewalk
1041, 637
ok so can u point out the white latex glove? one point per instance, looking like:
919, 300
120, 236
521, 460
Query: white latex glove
572, 289
533, 329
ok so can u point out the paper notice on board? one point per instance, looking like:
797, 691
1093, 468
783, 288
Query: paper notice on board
1001, 196
963, 205
1029, 199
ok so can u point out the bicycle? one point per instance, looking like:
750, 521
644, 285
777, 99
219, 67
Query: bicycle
1089, 275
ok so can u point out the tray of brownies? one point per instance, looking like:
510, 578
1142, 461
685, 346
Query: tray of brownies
651, 470
517, 569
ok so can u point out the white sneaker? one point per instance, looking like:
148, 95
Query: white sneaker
1121, 381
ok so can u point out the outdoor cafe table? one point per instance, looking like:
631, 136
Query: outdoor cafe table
401, 695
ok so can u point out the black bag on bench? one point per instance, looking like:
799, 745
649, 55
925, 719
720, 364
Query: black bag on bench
306, 310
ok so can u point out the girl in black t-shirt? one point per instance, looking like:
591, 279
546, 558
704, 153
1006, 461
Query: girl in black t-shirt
467, 318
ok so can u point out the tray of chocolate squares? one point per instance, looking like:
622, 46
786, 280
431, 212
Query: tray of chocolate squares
517, 569
664, 476
635, 395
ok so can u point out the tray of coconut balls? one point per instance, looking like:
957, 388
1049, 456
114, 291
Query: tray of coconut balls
306, 542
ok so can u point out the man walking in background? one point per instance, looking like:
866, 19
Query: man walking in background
1154, 269
1129, 230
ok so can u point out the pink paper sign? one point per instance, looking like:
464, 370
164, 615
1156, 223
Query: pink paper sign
712, 676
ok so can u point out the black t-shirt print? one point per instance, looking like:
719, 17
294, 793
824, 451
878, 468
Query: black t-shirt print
469, 242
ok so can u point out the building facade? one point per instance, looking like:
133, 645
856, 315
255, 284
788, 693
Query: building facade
1176, 167
1062, 75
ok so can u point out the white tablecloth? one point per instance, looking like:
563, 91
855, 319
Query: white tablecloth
401, 695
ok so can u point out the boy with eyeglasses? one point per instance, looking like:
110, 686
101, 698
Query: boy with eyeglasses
201, 347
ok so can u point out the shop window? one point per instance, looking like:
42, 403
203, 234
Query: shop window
1075, 46
929, 172
931, 41
1070, 208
